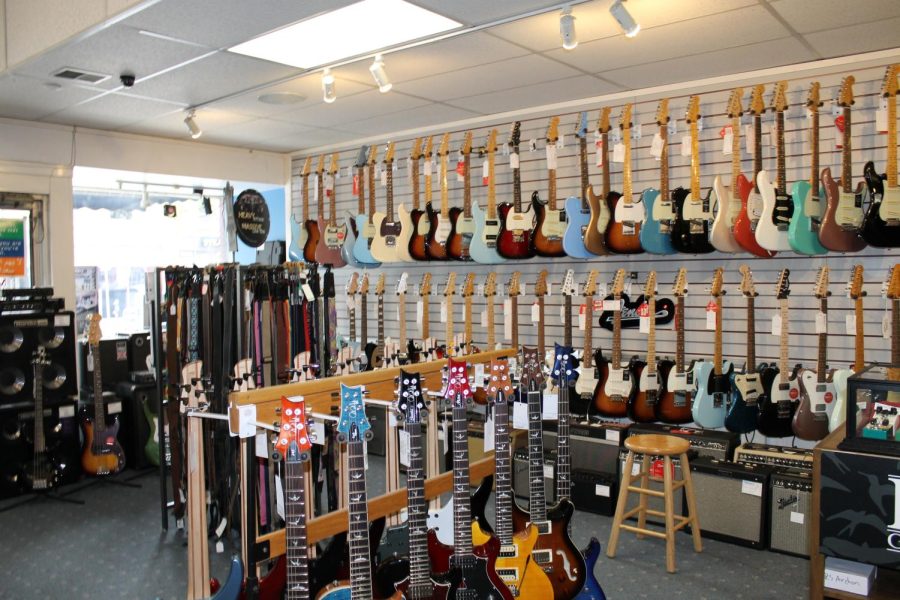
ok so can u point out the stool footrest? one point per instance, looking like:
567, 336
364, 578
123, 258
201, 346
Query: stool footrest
650, 532
649, 492
676, 484
682, 522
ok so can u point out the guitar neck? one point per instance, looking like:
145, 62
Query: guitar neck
357, 506
371, 192
814, 160
467, 330
617, 334
846, 165
306, 197
514, 308
390, 192
517, 185
891, 163
582, 161
428, 166
361, 190
426, 314
99, 411
663, 163
332, 202
416, 509
381, 320
651, 336
467, 187
448, 327
717, 350
893, 372
364, 307
39, 442
297, 549
351, 314
604, 151
567, 320
320, 196
503, 469
537, 505
551, 189
859, 361
627, 194
491, 334
757, 147
587, 358
492, 192
563, 460
780, 179
821, 362
462, 511
542, 349
401, 300
751, 333
445, 203
415, 183
695, 161
679, 337
783, 359
735, 155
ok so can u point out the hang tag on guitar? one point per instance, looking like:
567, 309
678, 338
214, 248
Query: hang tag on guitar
881, 117
356, 185
685, 145
514, 160
520, 415
507, 319
317, 432
562, 313
618, 153
749, 138
420, 314
262, 446
460, 171
612, 305
850, 322
821, 322
673, 127
727, 141
886, 326
444, 310
598, 148
711, 309
429, 168
383, 176
656, 146
644, 324
403, 437
308, 292
551, 156
246, 421
485, 173
484, 319
582, 318
279, 499
535, 313
561, 141
489, 429
776, 325
550, 407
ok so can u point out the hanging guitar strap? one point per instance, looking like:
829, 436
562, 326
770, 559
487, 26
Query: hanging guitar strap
171, 419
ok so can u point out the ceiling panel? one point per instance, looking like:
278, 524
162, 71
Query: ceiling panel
112, 111
477, 12
310, 87
832, 14
583, 86
422, 116
27, 98
352, 108
313, 138
857, 38
172, 124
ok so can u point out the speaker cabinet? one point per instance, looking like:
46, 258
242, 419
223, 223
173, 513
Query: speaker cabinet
789, 510
114, 366
654, 503
595, 492
20, 336
139, 351
521, 477
705, 442
134, 424
593, 447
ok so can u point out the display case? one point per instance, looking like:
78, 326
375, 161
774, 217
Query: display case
873, 411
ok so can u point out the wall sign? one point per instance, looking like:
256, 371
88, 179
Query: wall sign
12, 248
251, 217
665, 312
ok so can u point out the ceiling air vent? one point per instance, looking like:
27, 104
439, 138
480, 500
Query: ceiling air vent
80, 75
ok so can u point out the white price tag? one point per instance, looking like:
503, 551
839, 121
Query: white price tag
635, 468
308, 292
484, 319
644, 324
673, 127
886, 326
582, 320
489, 431
507, 319
618, 153
514, 160
562, 313
850, 322
727, 141
776, 325
711, 320
656, 146
598, 150
383, 176
685, 145
821, 322
798, 517
317, 432
550, 407
753, 488
404, 447
601, 490
548, 471
220, 547
561, 141
520, 415
444, 310
246, 421
613, 435
749, 138
428, 167
613, 305
420, 314
114, 408
881, 120
279, 497
535, 313
551, 156
485, 170
262, 446
479, 374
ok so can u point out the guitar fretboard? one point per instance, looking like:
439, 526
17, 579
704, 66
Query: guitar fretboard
587, 358
751, 333
537, 506
563, 460
503, 471
567, 320
357, 506
297, 549
462, 510
651, 336
582, 162
821, 361
783, 375
846, 164
38, 386
679, 337
419, 570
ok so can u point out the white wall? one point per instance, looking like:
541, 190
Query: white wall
3, 37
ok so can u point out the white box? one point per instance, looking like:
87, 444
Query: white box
849, 576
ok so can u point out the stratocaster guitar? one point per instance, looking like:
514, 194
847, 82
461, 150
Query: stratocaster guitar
483, 248
595, 234
312, 225
693, 212
674, 404
550, 221
392, 236
713, 378
780, 383
439, 225
778, 206
817, 393
417, 216
365, 224
350, 218
803, 232
578, 211
650, 375
346, 362
102, 454
746, 386
331, 235
656, 233
881, 227
298, 230
462, 225
840, 377
588, 378
624, 231
516, 225
616, 388
728, 201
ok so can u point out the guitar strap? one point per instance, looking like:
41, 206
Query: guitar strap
266, 341
256, 339
170, 419
331, 336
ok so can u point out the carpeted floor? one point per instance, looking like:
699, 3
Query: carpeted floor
112, 547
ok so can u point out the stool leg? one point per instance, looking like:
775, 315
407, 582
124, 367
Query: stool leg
620, 506
691, 503
645, 483
670, 515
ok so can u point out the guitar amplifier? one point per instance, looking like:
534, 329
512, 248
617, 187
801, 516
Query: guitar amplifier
520, 475
656, 466
789, 510
776, 456
732, 501
706, 442
134, 427
595, 492
594, 447
114, 365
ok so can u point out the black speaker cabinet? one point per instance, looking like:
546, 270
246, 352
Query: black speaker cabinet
706, 442
139, 351
656, 483
594, 447
134, 425
595, 492
789, 511
114, 366
732, 501
521, 476
377, 418
20, 336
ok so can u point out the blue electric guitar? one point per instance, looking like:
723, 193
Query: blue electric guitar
713, 379
656, 232
746, 386
350, 239
365, 226
578, 211
591, 589
298, 231
483, 248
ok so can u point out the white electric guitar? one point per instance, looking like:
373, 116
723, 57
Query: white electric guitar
840, 376
587, 370
619, 383
777, 204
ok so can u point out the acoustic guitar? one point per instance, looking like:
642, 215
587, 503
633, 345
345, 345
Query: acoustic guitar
655, 234
392, 234
298, 229
693, 212
417, 216
817, 393
780, 383
650, 374
713, 378
578, 211
516, 223
483, 248
616, 387
881, 227
746, 386
331, 235
312, 225
624, 231
728, 201
365, 224
439, 225
550, 221
350, 218
462, 225
674, 404
778, 206
595, 234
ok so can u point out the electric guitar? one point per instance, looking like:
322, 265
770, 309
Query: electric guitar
391, 241
468, 566
516, 225
430, 349
151, 448
350, 218
462, 342
616, 388
713, 379
364, 330
650, 375
803, 232
656, 233
439, 225
349, 351
881, 227
840, 377
595, 234
778, 206
513, 290
540, 291
447, 310
721, 236
365, 224
375, 350
892, 292
298, 231
578, 211
44, 469
674, 404
780, 384
102, 453
843, 217
623, 234
331, 235
751, 201
462, 226
746, 386
417, 216
407, 351
550, 221
311, 226
817, 393
690, 232
490, 288
587, 381
487, 225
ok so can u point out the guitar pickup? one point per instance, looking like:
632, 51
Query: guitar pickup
542, 557
543, 527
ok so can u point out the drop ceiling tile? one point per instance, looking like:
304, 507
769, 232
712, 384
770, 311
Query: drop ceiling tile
834, 14
259, 129
27, 98
314, 138
310, 87
423, 116
583, 86
508, 74
349, 108
476, 12
112, 111
857, 38
172, 124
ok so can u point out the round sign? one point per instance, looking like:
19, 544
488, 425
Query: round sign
829, 397
794, 394
251, 218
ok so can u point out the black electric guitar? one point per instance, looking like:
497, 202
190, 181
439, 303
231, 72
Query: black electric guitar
44, 470
881, 227
780, 384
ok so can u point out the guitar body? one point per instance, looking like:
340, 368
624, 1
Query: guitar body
721, 235
231, 589
515, 243
675, 404
419, 238
483, 248
876, 230
578, 222
387, 584
615, 390
684, 237
711, 400
439, 230
595, 234
462, 230
831, 235
591, 589
653, 240
374, 356
743, 225
102, 455
27, 470
519, 572
441, 521
743, 411
616, 239
839, 412
777, 411
311, 228
331, 241
298, 240
151, 448
365, 231
650, 389
772, 229
549, 229
803, 233
810, 420
349, 242
475, 579
271, 586
388, 245
601, 402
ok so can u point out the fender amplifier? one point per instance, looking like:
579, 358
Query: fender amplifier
594, 447
789, 510
656, 483
595, 492
732, 501
520, 475
776, 456
706, 442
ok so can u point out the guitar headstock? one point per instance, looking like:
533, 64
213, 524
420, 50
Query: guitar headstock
581, 125
748, 288
821, 290
444, 150
379, 287
889, 87
364, 284
450, 287
334, 164
307, 167
321, 167
553, 131
813, 102
625, 117
428, 147
855, 283
353, 284
715, 290
192, 391
362, 156
603, 120
845, 96
693, 110
425, 286
662, 112
563, 371
416, 152
490, 285
679, 289
411, 405
93, 333
590, 285
293, 436
490, 146
783, 286
515, 134
540, 286
779, 97
40, 357
513, 287
389, 154
401, 283
650, 285
735, 110
618, 284
373, 155
569, 287
468, 288
467, 144
499, 388
457, 391
757, 104
532, 369
353, 426
893, 287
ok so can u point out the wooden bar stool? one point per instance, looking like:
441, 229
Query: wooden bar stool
665, 446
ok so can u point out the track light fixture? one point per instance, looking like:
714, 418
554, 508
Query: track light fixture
567, 29
192, 125
624, 19
328, 92
380, 76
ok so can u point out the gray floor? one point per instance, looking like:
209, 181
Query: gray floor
112, 547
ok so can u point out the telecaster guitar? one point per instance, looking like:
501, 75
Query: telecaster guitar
746, 386
780, 384
350, 218
817, 392
778, 206
728, 201
713, 378
517, 225
578, 210
656, 236
881, 227
483, 248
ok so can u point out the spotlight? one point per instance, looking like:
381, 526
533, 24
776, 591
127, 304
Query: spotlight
192, 125
567, 29
624, 19
329, 94
380, 76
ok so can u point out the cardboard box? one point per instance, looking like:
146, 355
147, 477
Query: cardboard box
849, 576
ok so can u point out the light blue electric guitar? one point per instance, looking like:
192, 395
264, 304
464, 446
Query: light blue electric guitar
365, 226
713, 378
578, 210
483, 248
298, 231
350, 239
809, 196
655, 234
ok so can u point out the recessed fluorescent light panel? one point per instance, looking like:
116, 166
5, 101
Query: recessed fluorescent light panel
350, 31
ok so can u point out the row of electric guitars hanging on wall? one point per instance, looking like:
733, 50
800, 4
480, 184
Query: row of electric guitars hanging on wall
761, 215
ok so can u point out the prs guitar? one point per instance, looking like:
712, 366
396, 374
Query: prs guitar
713, 379
350, 219
843, 217
578, 211
690, 232
462, 225
517, 225
817, 393
780, 384
554, 551
721, 236
778, 206
656, 236
331, 235
840, 377
469, 565
392, 236
365, 224
587, 370
803, 232
551, 222
616, 388
439, 225
102, 454
623, 234
595, 234
298, 230
746, 386
751, 202
417, 216
311, 226
650, 375
675, 402
487, 224
881, 227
